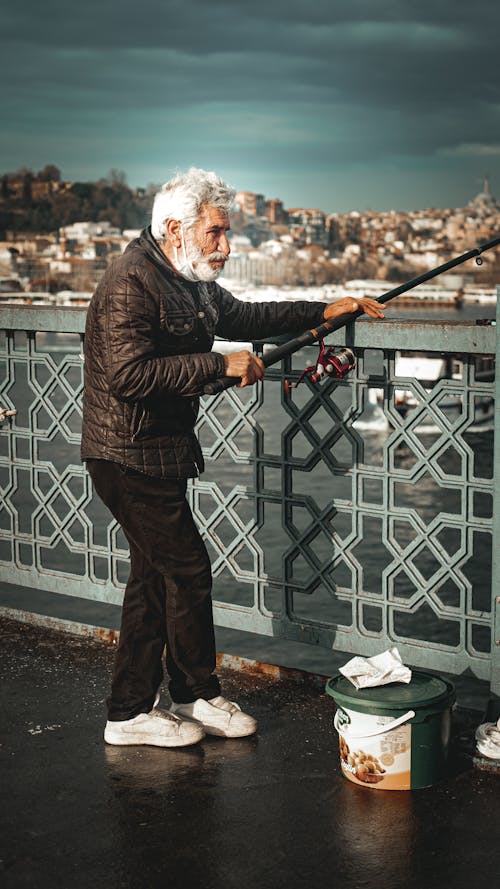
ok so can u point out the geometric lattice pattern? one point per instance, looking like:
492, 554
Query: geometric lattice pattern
53, 534
363, 537
331, 515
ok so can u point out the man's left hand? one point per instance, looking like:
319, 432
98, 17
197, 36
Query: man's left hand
349, 304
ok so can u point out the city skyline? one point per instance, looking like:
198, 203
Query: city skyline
347, 106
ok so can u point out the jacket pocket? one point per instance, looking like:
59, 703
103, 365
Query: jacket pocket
137, 421
178, 323
177, 318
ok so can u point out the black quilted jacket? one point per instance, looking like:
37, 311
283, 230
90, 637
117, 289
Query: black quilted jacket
148, 342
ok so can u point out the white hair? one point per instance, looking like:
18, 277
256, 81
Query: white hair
183, 197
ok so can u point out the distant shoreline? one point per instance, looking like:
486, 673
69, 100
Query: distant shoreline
431, 295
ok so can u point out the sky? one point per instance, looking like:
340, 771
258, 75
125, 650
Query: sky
336, 104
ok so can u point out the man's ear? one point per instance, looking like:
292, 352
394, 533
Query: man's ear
173, 232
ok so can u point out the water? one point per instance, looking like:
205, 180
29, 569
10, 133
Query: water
426, 499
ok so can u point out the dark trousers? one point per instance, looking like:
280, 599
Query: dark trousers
167, 600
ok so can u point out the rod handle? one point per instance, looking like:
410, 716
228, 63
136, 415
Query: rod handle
220, 385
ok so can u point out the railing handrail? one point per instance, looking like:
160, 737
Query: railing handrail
423, 335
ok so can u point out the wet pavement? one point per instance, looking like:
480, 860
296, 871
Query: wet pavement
270, 811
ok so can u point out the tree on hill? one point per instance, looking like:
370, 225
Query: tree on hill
109, 198
50, 173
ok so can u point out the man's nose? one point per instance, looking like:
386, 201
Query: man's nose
224, 245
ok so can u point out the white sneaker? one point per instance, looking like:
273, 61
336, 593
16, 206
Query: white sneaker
217, 717
159, 728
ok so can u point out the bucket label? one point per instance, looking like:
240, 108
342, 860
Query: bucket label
382, 761
343, 717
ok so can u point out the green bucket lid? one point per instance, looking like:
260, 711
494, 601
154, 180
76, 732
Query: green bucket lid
425, 690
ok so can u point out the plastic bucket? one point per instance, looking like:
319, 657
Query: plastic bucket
394, 737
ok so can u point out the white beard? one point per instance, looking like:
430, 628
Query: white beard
194, 265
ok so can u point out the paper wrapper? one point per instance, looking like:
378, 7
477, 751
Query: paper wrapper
378, 670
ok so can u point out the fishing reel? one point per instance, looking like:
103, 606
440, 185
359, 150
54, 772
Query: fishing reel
331, 362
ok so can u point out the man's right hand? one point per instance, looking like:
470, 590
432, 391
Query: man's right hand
246, 365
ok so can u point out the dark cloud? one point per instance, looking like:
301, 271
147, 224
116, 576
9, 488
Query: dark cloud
279, 85
192, 24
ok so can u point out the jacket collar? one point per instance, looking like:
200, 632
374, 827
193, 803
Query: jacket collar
150, 246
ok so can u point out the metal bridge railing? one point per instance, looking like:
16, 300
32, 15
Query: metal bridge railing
354, 515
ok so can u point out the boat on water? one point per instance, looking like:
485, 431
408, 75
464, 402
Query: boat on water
429, 369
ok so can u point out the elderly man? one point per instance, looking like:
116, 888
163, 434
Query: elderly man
148, 353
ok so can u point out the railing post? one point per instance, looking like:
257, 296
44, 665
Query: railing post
493, 712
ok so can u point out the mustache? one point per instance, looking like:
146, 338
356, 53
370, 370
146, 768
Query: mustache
216, 257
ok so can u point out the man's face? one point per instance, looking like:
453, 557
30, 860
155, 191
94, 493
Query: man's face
207, 247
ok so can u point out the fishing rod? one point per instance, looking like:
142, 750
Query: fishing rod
344, 363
